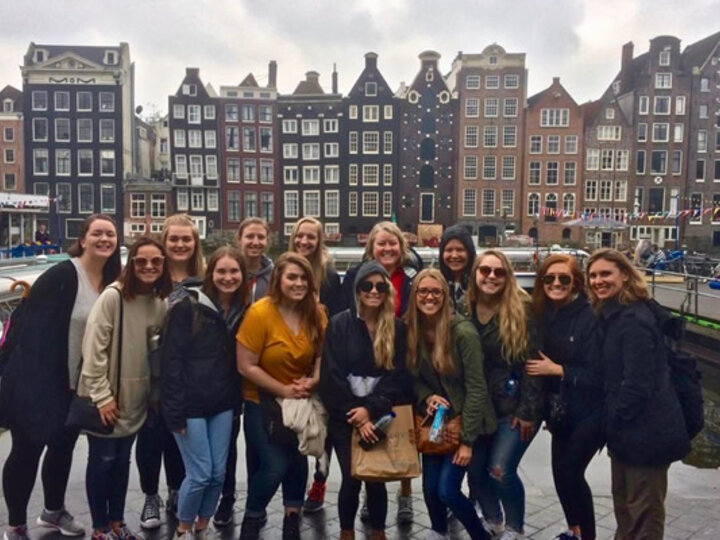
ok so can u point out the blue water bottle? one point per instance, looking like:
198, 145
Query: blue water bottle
512, 385
436, 430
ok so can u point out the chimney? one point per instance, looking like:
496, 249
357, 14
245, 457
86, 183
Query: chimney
556, 80
272, 74
192, 72
627, 56
371, 60
334, 80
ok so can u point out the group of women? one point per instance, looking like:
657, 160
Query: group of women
286, 343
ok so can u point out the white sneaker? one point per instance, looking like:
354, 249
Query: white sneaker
494, 530
405, 509
510, 534
434, 535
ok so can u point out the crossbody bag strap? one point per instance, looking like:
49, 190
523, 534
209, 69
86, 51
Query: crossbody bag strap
120, 341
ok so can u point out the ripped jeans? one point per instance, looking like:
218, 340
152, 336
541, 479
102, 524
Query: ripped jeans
493, 476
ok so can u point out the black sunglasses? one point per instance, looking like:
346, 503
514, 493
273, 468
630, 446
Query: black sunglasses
381, 287
487, 270
564, 279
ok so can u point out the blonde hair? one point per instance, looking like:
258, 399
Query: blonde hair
384, 341
320, 259
196, 265
441, 356
634, 289
513, 311
388, 227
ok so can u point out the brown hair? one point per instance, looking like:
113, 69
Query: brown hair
634, 289
388, 227
311, 311
208, 286
253, 221
320, 259
538, 294
113, 266
441, 356
196, 265
130, 284
512, 315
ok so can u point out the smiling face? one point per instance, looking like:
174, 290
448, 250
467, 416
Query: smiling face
227, 276
491, 276
148, 265
606, 279
455, 256
386, 250
253, 241
430, 296
372, 299
293, 283
100, 239
306, 240
180, 243
558, 283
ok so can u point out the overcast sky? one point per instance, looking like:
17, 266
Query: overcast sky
577, 40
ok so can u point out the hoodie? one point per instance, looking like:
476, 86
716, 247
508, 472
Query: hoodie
260, 282
457, 289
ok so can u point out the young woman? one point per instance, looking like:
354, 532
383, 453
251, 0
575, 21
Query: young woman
502, 314
644, 424
457, 254
567, 354
121, 327
200, 382
155, 442
41, 373
386, 244
445, 356
279, 348
362, 377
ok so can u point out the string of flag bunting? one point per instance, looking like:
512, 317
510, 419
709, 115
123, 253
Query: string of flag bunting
688, 213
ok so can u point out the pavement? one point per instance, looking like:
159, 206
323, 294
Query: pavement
692, 507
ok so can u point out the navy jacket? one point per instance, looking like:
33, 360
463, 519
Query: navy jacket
331, 294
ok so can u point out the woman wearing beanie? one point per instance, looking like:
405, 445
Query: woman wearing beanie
457, 254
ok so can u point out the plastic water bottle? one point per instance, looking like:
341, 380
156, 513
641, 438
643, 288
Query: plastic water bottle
436, 430
512, 385
380, 427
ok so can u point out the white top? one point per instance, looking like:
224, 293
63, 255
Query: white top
84, 300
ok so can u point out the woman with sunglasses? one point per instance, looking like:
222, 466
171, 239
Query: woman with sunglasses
567, 326
644, 425
155, 443
279, 344
200, 382
457, 254
41, 372
362, 377
502, 314
122, 327
387, 245
445, 358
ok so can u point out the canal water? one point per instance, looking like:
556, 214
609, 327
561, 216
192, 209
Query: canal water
706, 446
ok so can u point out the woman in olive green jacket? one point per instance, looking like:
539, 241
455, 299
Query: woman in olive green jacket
445, 358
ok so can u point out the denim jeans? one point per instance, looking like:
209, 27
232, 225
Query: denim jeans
493, 476
204, 448
276, 464
106, 478
442, 483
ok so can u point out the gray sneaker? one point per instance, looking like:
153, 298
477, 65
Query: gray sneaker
16, 533
62, 521
405, 509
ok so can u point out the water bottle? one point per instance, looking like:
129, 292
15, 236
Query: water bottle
380, 427
436, 430
512, 385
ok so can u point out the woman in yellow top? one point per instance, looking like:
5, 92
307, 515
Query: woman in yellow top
279, 348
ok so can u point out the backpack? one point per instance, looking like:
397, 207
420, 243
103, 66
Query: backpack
684, 374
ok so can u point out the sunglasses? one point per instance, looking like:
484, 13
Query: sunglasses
497, 272
367, 286
424, 293
142, 262
564, 279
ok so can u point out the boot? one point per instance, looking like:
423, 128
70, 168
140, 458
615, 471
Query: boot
377, 535
347, 535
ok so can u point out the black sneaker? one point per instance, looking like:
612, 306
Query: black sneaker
250, 528
224, 513
150, 515
171, 505
291, 527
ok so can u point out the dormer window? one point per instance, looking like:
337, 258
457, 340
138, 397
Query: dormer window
8, 105
371, 89
664, 59
111, 58
616, 87
493, 60
609, 114
189, 89
429, 75
40, 55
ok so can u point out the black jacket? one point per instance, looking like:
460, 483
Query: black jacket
199, 373
458, 290
348, 354
35, 387
331, 295
644, 423
568, 338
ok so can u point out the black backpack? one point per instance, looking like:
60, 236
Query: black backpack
684, 374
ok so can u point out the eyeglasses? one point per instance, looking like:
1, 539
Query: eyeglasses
367, 286
142, 262
497, 272
564, 279
424, 293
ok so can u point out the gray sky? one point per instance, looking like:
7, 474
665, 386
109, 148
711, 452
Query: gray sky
577, 40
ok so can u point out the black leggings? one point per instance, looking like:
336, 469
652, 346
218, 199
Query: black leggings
21, 469
228, 489
571, 454
348, 498
155, 441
